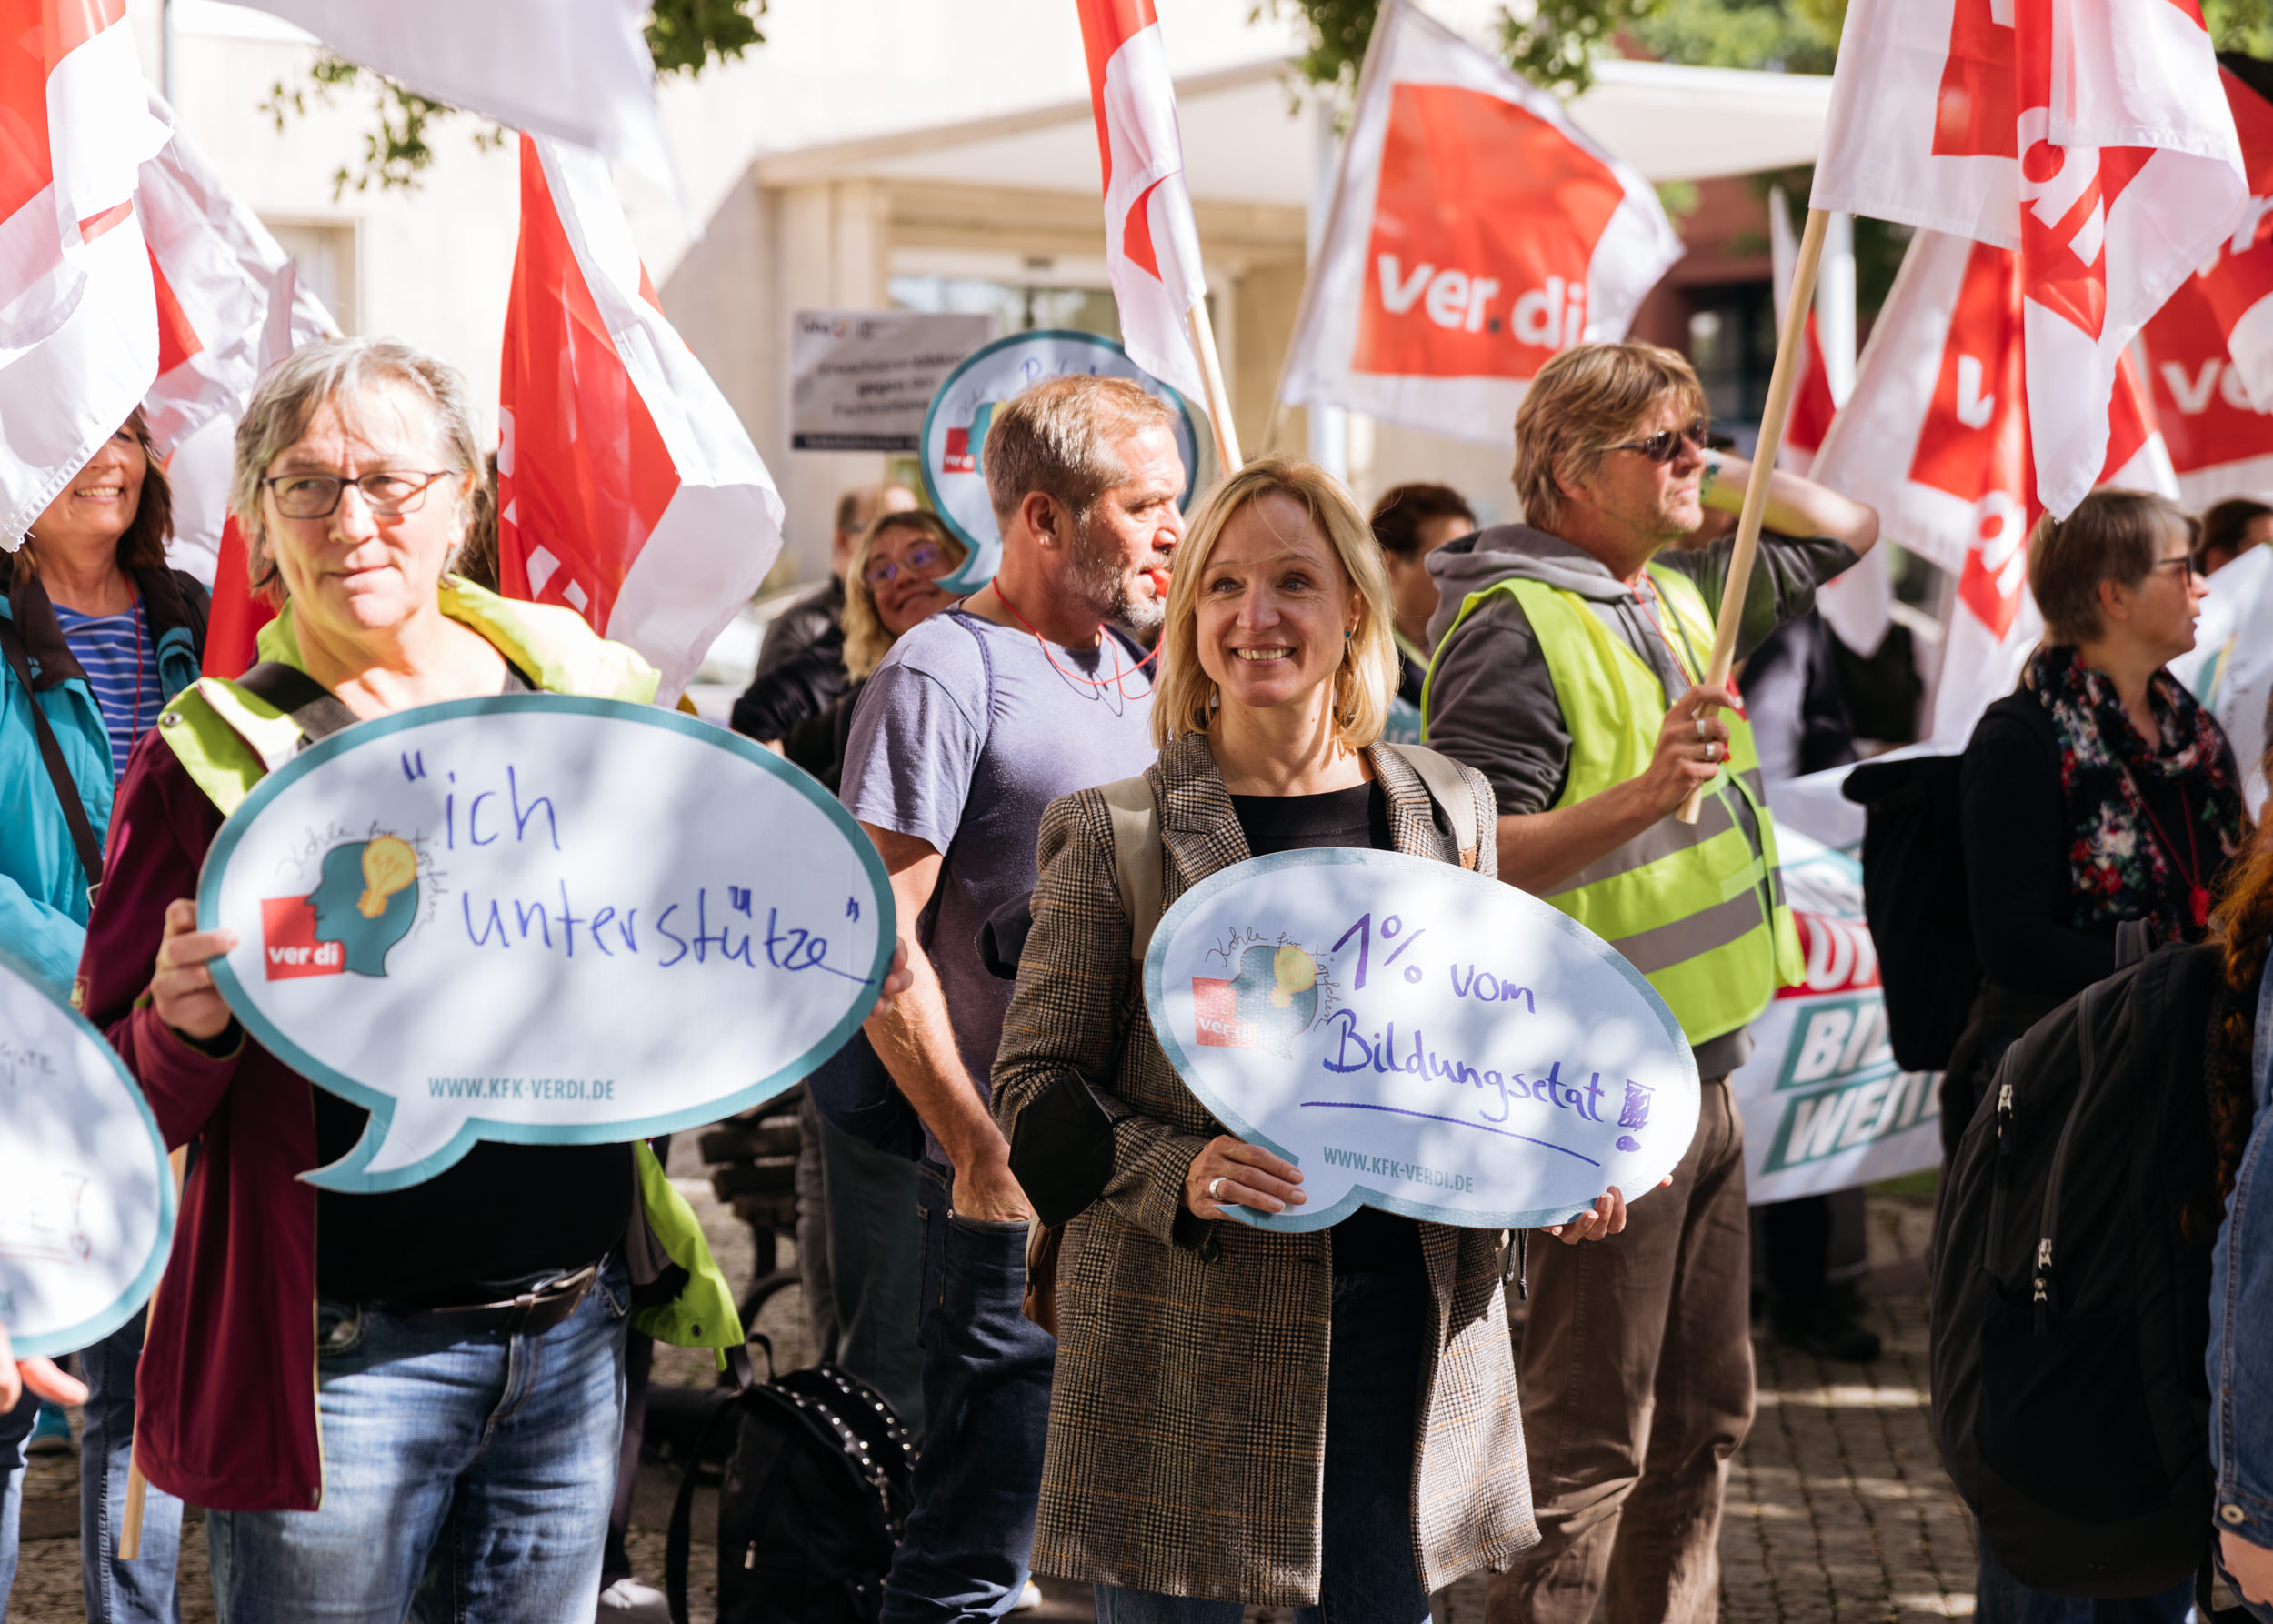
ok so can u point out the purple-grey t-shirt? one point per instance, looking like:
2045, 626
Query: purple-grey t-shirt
964, 735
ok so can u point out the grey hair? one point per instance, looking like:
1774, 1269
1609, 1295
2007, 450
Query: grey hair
344, 372
1059, 438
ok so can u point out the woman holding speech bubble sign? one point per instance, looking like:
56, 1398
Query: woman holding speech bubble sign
460, 1340
1236, 1409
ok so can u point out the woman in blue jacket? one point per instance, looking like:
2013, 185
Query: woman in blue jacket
98, 634
2241, 1294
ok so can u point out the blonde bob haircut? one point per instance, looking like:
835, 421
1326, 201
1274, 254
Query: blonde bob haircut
1582, 403
1363, 687
866, 639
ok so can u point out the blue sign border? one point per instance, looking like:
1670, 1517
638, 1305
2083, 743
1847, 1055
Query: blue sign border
1188, 442
347, 1173
1298, 1219
70, 1339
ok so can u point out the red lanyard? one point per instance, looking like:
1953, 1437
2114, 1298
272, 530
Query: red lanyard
1680, 665
2190, 871
1118, 680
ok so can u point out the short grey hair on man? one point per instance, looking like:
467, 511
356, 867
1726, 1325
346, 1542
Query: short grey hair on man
347, 372
1060, 437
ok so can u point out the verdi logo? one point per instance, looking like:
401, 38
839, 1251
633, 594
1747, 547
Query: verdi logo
363, 903
1268, 1005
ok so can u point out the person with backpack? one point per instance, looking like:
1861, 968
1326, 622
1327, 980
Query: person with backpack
2239, 1370
2099, 794
1570, 670
1329, 1419
98, 635
976, 720
404, 1403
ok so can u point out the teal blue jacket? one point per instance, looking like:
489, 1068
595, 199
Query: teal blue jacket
43, 888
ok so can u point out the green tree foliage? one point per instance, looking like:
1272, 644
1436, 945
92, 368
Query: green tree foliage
684, 36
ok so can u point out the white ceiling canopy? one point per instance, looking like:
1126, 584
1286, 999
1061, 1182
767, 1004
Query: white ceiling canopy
1244, 143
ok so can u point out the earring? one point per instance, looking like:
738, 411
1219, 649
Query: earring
1350, 633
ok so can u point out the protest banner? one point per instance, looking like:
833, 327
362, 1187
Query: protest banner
1419, 1038
78, 316
1824, 1104
87, 1198
1475, 231
2221, 444
955, 430
543, 919
861, 380
2094, 141
627, 488
1151, 242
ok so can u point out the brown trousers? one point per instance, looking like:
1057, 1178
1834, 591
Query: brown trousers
1637, 1380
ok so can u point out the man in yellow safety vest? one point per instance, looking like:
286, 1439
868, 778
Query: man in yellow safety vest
1569, 666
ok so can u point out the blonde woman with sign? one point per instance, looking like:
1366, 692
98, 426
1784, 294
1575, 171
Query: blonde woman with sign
1236, 1409
460, 1340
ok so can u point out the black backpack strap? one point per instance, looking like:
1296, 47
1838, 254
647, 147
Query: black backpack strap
67, 788
315, 708
724, 1406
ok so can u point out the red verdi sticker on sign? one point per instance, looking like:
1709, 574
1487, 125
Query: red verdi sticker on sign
1484, 229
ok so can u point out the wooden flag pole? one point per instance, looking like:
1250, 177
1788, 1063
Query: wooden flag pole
1790, 346
1218, 401
138, 1486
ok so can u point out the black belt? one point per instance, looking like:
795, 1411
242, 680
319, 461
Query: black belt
538, 1308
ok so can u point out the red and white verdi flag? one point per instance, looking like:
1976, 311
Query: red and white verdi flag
2209, 350
1935, 436
1475, 232
78, 324
628, 489
1151, 242
2094, 139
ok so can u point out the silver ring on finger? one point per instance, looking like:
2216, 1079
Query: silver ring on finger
1712, 751
1700, 725
1214, 1189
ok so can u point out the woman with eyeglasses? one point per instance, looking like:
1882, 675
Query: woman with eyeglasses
392, 1405
891, 584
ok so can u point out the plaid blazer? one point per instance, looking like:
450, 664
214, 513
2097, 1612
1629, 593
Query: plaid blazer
1187, 1425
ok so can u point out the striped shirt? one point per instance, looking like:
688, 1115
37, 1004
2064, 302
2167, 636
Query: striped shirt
121, 662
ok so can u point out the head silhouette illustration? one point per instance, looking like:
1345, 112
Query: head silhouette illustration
366, 899
1277, 990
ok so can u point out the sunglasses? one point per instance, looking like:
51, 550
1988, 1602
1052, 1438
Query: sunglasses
925, 560
1666, 444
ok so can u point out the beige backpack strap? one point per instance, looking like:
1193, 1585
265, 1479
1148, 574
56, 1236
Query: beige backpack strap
1448, 788
1136, 856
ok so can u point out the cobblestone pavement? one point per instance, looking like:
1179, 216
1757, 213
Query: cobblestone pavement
1838, 1509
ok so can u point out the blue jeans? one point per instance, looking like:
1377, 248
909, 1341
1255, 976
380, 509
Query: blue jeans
15, 1425
1373, 1382
141, 1591
464, 1479
2000, 1598
986, 1405
875, 1256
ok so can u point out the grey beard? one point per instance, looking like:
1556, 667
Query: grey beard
1106, 588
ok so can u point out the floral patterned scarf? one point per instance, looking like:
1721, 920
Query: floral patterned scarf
2119, 866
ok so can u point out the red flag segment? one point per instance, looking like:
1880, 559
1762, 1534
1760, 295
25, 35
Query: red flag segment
627, 488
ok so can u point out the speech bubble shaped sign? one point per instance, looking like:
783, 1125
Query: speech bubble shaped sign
1417, 1038
955, 430
543, 919
86, 1198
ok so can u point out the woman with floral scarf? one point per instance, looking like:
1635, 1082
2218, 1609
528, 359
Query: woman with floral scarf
2097, 795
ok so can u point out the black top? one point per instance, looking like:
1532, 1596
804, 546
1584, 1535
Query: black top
800, 667
2015, 822
501, 1215
1369, 1237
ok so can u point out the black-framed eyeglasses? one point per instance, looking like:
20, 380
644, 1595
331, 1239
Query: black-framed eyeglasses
387, 492
925, 560
1666, 444
2184, 568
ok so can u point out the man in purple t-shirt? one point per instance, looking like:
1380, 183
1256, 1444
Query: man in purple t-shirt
977, 719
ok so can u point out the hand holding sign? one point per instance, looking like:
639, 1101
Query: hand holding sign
536, 918
1415, 1038
86, 1198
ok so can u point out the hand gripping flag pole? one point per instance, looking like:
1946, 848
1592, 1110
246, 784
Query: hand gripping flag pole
1791, 344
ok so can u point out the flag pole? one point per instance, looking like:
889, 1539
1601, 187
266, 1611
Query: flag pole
1218, 401
1790, 344
138, 1486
